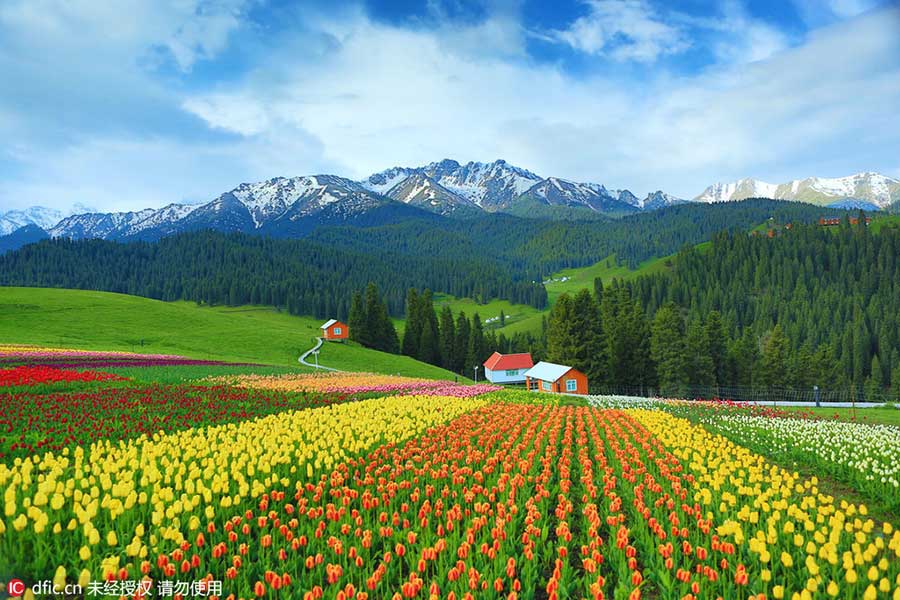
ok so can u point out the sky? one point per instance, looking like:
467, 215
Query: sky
140, 103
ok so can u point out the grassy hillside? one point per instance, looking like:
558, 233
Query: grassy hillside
884, 221
105, 321
572, 280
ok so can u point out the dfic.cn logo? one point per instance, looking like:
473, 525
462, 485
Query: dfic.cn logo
16, 587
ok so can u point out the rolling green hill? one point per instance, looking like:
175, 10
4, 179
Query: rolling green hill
105, 321
523, 318
572, 280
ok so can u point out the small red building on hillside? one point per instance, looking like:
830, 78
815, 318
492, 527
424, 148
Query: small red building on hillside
334, 330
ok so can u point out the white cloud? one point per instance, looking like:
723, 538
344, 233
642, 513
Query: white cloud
188, 29
623, 30
743, 39
819, 12
387, 95
351, 96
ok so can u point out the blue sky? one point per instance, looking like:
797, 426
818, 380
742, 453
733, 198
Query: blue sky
139, 103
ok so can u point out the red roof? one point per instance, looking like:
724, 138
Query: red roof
508, 362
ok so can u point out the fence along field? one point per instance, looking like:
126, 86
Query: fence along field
360, 486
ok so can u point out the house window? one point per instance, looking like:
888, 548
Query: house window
512, 372
571, 385
546, 386
337, 331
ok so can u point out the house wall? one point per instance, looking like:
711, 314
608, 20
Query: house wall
500, 376
331, 335
559, 386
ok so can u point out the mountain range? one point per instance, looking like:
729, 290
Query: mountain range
287, 207
862, 190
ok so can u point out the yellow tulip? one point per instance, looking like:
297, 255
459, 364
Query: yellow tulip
59, 578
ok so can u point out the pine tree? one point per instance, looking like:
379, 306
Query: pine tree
448, 337
643, 371
561, 343
429, 346
413, 331
826, 369
667, 347
461, 343
475, 351
387, 333
357, 321
875, 382
716, 342
774, 360
802, 372
373, 324
502, 318
598, 289
587, 335
700, 366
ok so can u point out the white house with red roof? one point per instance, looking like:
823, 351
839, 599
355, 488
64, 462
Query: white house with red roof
507, 368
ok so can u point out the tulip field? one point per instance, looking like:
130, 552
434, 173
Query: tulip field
353, 485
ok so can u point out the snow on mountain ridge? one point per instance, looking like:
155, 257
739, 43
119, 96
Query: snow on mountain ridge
41, 216
869, 186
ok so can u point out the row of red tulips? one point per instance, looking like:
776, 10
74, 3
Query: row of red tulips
40, 375
34, 423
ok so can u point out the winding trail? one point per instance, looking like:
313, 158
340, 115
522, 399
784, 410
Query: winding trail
302, 359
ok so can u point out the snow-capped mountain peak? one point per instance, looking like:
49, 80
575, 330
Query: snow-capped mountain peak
737, 190
41, 216
879, 190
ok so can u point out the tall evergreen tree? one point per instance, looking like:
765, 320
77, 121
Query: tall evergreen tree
826, 370
357, 321
461, 343
667, 346
774, 359
374, 325
643, 371
387, 333
875, 382
448, 338
412, 333
716, 342
598, 289
429, 346
700, 367
589, 356
475, 352
561, 340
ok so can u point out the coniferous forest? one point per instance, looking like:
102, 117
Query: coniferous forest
811, 307
301, 276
